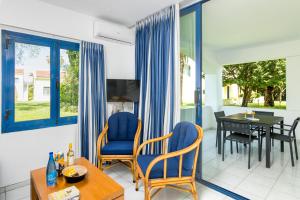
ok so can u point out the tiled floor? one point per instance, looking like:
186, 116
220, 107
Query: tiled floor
122, 175
281, 181
18, 191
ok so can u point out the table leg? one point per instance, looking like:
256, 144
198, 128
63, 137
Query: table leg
33, 194
281, 132
219, 143
268, 146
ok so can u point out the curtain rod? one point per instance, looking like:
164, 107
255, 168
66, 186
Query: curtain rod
40, 32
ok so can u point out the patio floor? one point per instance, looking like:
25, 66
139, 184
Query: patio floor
281, 181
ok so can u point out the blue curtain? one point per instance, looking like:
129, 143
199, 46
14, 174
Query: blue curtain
92, 98
156, 68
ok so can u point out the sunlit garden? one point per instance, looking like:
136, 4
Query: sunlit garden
31, 110
256, 85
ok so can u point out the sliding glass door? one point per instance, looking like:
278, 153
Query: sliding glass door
190, 67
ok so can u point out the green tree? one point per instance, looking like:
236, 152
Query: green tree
245, 76
273, 78
70, 83
264, 78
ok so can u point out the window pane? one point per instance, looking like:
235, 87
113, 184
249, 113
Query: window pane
187, 66
69, 79
32, 75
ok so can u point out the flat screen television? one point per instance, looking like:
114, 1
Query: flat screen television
120, 90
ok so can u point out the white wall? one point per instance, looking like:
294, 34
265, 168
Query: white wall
257, 53
213, 88
20, 152
293, 83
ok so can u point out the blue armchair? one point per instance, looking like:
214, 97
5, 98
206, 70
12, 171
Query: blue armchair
172, 168
119, 139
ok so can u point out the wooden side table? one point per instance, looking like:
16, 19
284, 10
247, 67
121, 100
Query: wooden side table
96, 184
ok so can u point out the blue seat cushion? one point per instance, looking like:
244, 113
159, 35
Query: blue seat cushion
184, 135
122, 126
158, 169
118, 148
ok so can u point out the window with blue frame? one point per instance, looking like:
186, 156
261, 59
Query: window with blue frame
40, 78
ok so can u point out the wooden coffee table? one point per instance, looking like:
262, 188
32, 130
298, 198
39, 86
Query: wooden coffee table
96, 184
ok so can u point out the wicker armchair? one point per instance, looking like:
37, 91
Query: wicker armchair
174, 168
119, 140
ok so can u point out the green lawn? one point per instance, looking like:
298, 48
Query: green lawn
188, 105
250, 105
261, 105
25, 111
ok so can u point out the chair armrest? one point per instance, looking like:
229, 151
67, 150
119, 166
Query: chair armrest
282, 129
100, 139
180, 153
283, 125
137, 137
152, 141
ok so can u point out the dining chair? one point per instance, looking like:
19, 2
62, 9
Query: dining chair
119, 140
217, 116
262, 131
241, 132
290, 137
173, 168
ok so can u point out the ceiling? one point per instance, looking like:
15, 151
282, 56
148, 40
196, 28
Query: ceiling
125, 12
246, 23
227, 24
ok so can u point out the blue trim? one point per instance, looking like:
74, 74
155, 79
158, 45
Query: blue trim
198, 58
222, 190
67, 46
8, 73
197, 7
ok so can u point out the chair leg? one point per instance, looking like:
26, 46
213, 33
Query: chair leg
194, 191
231, 150
259, 147
147, 193
249, 155
137, 183
223, 149
133, 171
296, 149
237, 147
136, 180
100, 164
272, 142
291, 151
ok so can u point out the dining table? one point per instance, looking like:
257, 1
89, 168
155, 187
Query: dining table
262, 121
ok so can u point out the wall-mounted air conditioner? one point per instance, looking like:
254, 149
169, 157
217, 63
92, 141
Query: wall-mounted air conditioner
113, 32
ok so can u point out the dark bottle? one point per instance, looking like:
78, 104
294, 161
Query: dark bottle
51, 174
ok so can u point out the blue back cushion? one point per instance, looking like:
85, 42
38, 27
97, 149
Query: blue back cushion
184, 135
122, 126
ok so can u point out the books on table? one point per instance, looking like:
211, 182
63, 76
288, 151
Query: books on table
69, 193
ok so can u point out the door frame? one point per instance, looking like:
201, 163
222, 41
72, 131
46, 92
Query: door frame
197, 8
